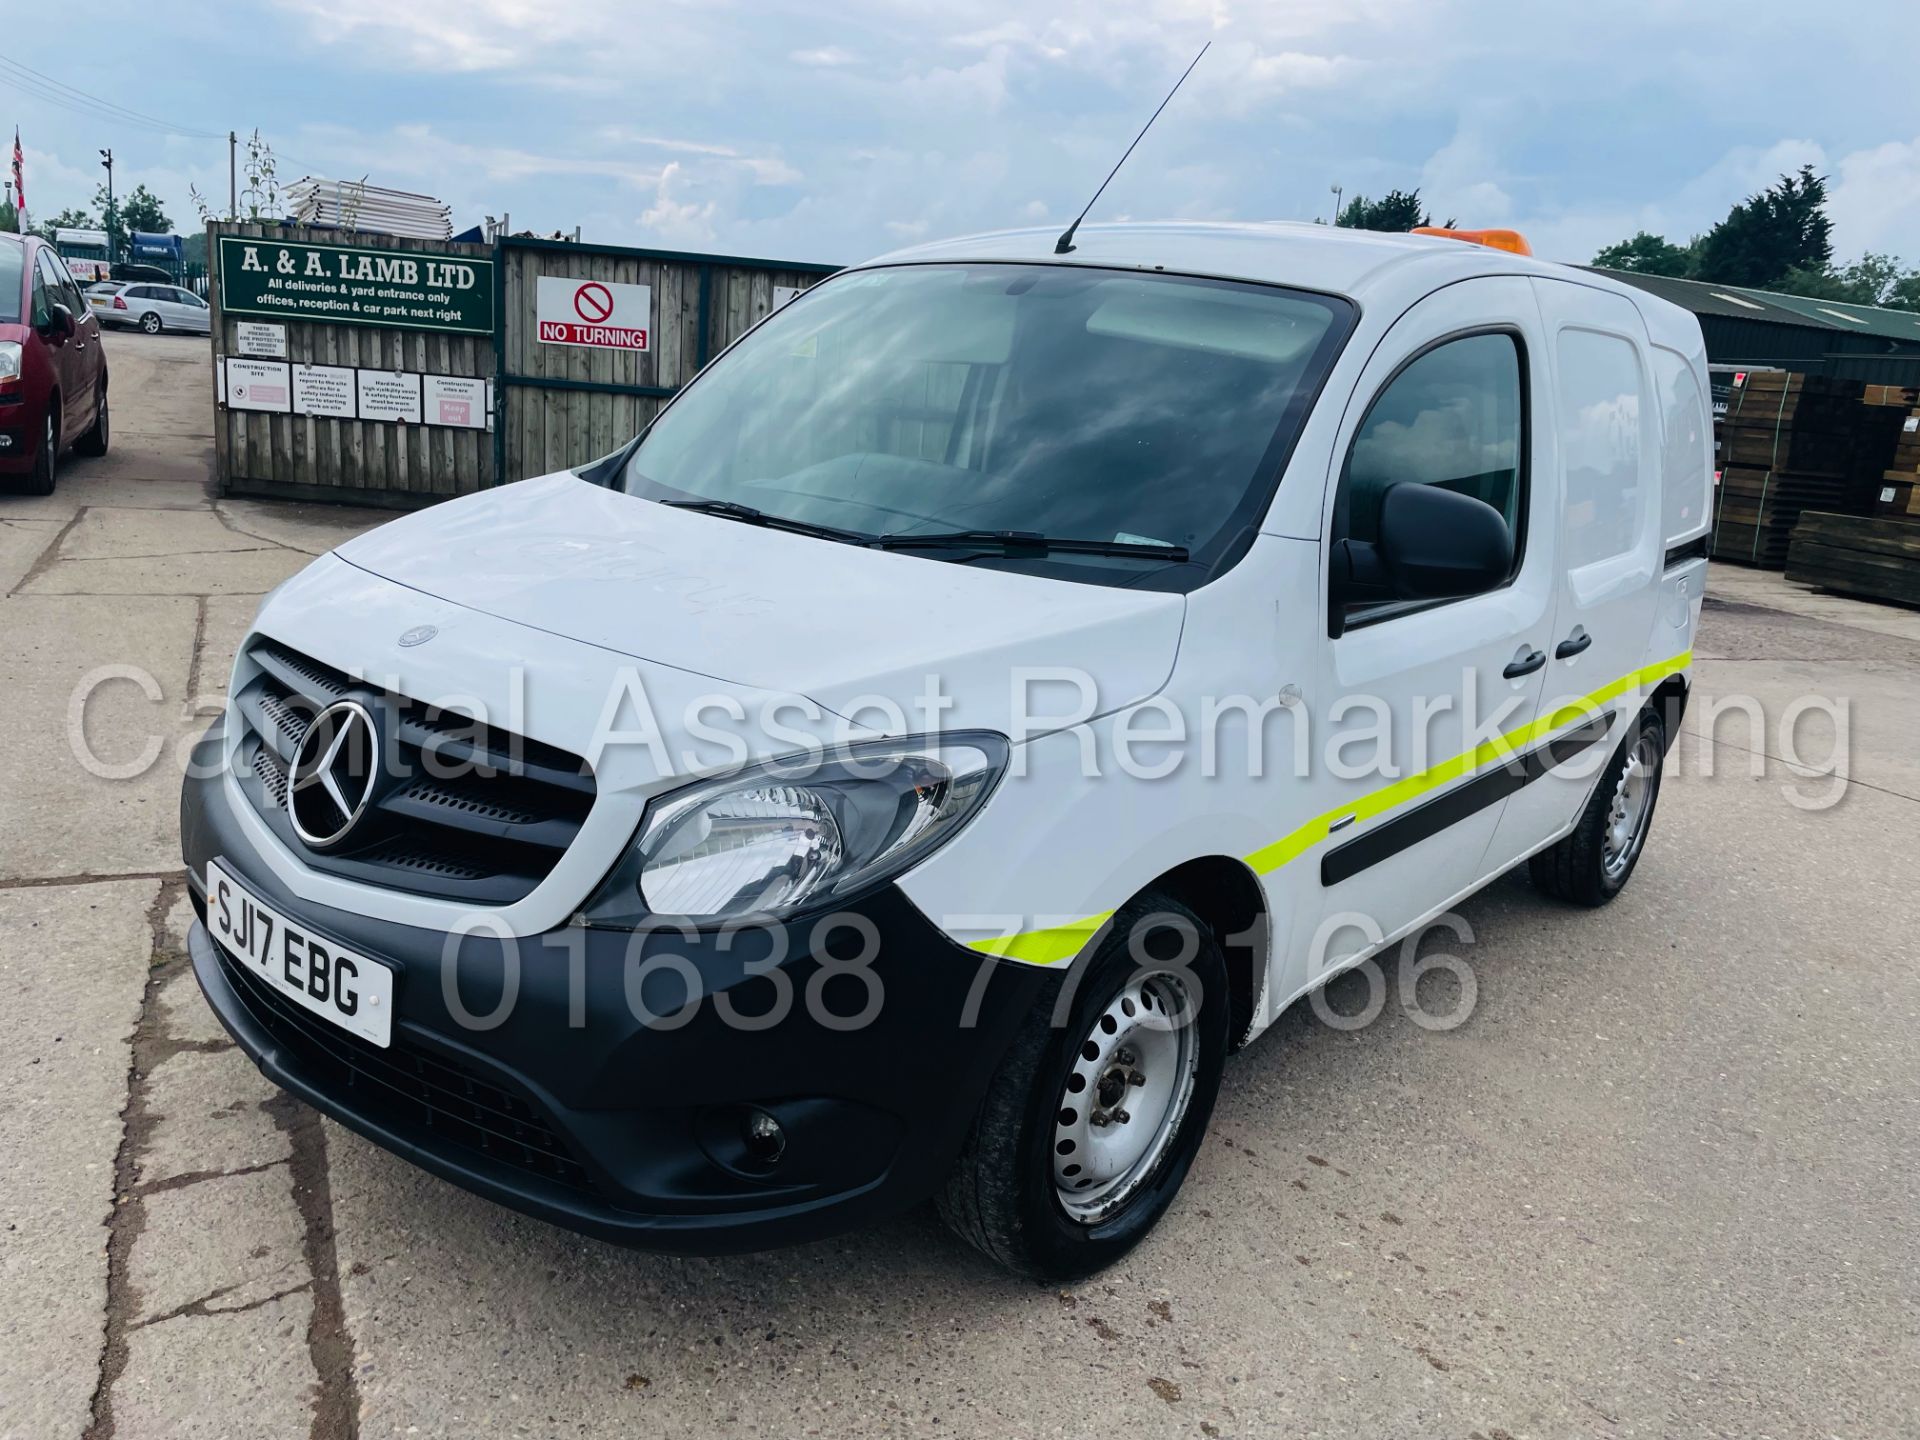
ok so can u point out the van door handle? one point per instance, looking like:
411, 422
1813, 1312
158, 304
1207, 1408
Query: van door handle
1572, 645
1526, 664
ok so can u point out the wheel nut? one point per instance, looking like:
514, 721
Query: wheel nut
1122, 1116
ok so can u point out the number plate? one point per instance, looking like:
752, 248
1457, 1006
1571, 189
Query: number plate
349, 990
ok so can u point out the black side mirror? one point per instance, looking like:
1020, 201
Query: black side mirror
1434, 544
59, 324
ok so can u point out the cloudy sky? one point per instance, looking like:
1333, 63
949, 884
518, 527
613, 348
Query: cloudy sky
762, 127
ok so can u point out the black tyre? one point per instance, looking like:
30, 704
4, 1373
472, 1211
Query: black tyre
95, 441
40, 482
1089, 1127
150, 322
1595, 861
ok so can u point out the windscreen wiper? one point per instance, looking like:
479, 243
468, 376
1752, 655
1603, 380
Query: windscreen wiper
747, 515
1016, 540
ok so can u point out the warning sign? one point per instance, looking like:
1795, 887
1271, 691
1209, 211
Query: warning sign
595, 313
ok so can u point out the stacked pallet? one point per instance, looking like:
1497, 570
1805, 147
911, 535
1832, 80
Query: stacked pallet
1857, 555
1790, 443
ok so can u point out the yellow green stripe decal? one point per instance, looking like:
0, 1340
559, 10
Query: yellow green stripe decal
1043, 947
1063, 942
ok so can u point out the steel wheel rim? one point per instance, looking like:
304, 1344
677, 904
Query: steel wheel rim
1132, 1079
53, 446
1630, 809
101, 420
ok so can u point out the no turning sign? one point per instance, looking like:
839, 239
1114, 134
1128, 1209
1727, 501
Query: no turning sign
594, 313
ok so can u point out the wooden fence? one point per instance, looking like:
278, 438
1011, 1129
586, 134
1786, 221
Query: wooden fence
349, 460
553, 406
563, 405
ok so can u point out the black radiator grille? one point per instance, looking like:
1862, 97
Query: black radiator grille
472, 812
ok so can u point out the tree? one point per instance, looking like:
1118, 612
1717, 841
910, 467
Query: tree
1396, 210
139, 210
1649, 254
9, 217
1769, 236
1870, 280
67, 219
1905, 294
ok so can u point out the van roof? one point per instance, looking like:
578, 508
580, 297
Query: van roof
1362, 264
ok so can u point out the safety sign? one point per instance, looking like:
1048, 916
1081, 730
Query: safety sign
595, 313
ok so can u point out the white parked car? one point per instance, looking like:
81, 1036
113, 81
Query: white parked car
145, 305
992, 691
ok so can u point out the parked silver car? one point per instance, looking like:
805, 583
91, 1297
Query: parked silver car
150, 307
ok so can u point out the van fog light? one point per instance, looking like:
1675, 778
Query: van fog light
766, 1141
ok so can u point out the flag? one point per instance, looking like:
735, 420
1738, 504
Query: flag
19, 184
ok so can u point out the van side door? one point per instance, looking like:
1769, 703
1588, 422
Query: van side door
1602, 419
1448, 398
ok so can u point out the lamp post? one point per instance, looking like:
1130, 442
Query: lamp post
112, 217
1337, 193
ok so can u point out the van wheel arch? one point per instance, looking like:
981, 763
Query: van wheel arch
1227, 895
1669, 702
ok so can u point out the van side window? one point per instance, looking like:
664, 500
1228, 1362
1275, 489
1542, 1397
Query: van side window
1600, 445
1453, 418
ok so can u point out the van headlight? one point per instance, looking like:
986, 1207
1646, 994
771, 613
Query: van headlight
10, 359
796, 834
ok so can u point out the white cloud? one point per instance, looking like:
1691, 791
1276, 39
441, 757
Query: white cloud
823, 56
676, 221
1875, 200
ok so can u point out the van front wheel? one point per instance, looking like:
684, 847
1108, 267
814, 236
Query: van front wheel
1594, 862
1089, 1126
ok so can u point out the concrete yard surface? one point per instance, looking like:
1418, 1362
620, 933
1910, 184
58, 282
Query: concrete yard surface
1661, 1180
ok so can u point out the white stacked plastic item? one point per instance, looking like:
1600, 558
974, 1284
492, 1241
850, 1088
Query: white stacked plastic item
355, 205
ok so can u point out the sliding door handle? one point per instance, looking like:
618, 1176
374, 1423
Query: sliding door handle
1572, 645
1526, 664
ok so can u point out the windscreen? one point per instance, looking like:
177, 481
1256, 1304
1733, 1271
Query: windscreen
1063, 401
13, 262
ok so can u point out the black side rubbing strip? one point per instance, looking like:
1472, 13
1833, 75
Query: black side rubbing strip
1425, 821
1694, 549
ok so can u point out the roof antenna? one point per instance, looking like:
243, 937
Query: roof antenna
1064, 245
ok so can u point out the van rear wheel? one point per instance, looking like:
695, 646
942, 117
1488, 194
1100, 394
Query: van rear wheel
1595, 861
1089, 1127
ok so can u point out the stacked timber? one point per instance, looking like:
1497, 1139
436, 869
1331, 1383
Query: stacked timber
1899, 489
1901, 397
1790, 443
1858, 555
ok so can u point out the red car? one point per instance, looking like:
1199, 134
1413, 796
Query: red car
53, 369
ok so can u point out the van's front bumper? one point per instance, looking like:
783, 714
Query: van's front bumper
574, 1110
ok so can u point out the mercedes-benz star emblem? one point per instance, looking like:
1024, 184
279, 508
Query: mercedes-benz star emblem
419, 635
335, 766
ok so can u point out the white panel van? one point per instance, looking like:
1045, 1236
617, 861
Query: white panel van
994, 690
